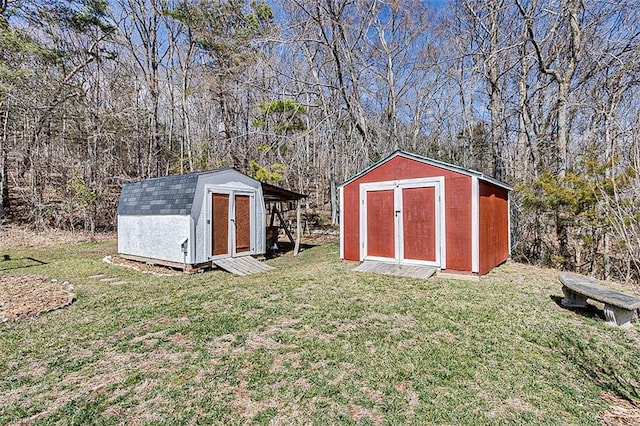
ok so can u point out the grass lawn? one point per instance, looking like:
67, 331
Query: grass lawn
309, 343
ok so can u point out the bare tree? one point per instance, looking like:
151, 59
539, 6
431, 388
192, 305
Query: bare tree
558, 54
144, 34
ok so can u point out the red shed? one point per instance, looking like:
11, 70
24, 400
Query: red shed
410, 209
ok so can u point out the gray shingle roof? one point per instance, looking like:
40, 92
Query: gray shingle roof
170, 195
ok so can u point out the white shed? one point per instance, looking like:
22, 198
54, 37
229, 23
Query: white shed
192, 220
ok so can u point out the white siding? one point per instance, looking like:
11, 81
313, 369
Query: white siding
155, 237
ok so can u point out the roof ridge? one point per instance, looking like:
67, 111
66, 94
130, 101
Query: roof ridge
197, 173
436, 163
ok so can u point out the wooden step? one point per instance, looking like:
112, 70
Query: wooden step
399, 270
245, 265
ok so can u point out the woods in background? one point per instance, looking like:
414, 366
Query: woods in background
302, 93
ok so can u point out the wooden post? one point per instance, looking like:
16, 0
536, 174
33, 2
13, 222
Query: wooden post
273, 214
284, 226
296, 249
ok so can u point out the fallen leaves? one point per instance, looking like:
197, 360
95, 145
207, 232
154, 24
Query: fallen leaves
25, 296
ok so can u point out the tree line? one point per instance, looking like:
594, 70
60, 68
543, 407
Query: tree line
301, 93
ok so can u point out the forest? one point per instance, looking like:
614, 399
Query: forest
540, 94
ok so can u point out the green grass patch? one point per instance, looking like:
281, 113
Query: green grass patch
310, 342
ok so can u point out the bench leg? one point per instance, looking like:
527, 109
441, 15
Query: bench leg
618, 316
573, 299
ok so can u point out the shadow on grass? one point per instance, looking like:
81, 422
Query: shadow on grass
607, 365
589, 312
6, 263
285, 247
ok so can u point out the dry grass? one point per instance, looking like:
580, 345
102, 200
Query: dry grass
21, 237
311, 342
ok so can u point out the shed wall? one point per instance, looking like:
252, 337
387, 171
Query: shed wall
155, 237
494, 226
200, 213
457, 207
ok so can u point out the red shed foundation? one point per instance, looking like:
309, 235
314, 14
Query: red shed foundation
409, 209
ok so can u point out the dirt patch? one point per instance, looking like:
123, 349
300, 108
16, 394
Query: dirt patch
510, 405
25, 296
360, 414
413, 400
243, 404
283, 362
621, 412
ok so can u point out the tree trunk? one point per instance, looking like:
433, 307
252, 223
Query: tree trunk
495, 98
561, 145
4, 167
334, 201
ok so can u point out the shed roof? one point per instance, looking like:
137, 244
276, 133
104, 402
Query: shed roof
436, 163
173, 195
275, 193
167, 195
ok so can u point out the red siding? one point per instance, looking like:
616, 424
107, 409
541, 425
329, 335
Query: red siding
494, 226
457, 203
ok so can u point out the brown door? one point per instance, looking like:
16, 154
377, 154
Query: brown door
243, 223
419, 223
380, 224
220, 228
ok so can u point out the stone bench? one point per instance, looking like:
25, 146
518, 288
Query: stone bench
619, 308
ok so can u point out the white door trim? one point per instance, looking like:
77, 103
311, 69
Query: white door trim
231, 230
475, 225
397, 186
370, 187
341, 219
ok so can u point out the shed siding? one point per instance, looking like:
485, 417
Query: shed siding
457, 207
200, 213
154, 237
494, 226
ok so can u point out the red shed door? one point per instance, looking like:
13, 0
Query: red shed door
419, 223
220, 224
381, 226
243, 223
402, 221
231, 224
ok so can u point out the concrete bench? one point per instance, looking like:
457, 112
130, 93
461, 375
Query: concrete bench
619, 308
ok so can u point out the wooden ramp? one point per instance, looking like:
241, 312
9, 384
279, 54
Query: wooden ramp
409, 271
245, 265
